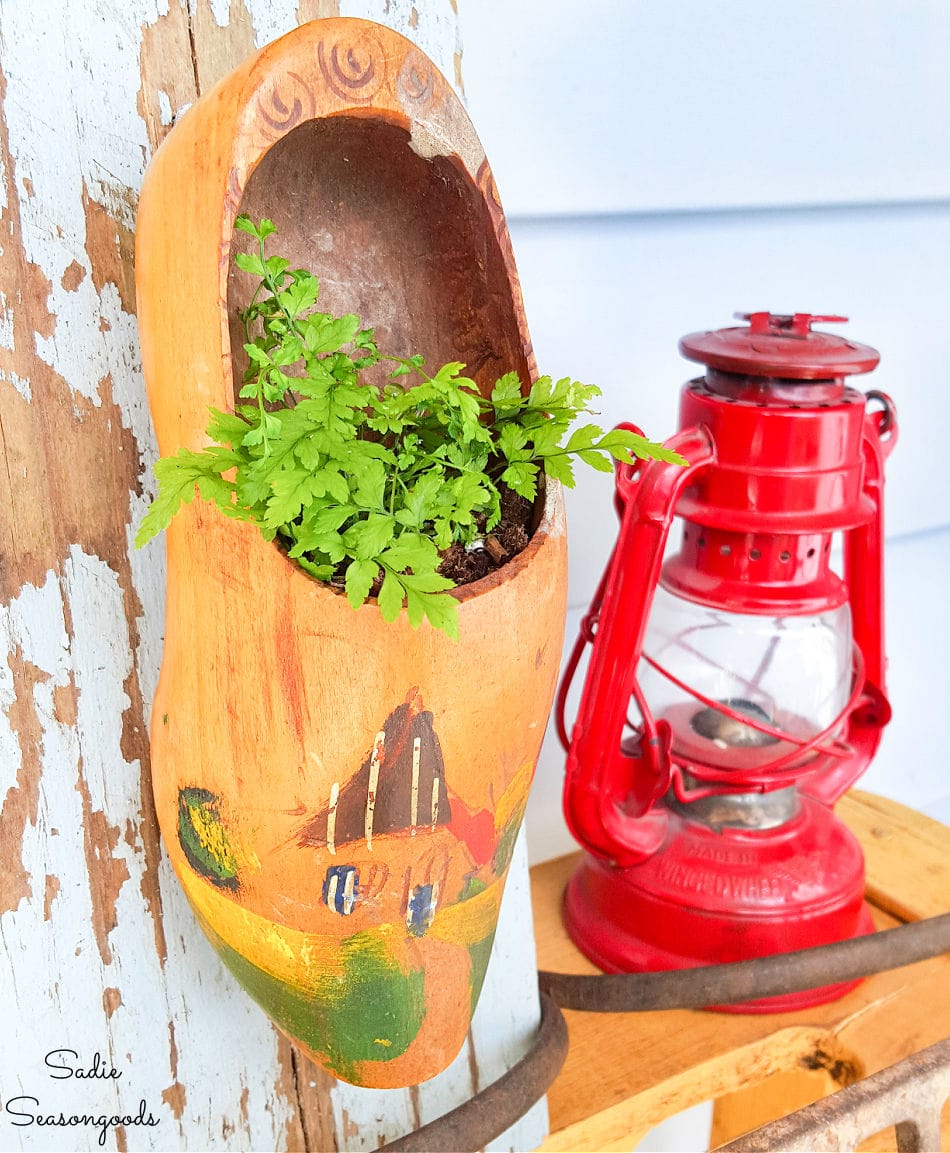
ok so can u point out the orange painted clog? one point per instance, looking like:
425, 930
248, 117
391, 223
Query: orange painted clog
340, 796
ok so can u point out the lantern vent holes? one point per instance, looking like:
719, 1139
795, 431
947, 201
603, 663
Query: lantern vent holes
754, 553
728, 732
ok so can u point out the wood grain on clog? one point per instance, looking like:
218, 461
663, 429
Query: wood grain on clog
340, 796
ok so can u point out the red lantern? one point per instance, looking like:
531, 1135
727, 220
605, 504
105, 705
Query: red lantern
736, 690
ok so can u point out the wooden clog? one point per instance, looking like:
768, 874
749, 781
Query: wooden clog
340, 796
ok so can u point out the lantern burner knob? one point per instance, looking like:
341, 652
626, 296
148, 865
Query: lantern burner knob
779, 324
727, 731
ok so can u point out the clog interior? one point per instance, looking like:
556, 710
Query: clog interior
405, 242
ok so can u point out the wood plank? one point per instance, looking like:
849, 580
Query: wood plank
906, 854
624, 1074
745, 1109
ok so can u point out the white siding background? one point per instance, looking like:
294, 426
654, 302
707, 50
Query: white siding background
663, 165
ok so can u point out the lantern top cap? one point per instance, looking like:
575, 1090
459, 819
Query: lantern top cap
780, 346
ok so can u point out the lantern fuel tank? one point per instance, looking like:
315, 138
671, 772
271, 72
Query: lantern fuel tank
736, 683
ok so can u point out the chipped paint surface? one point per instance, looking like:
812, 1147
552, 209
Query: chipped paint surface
271, 18
99, 953
110, 987
91, 53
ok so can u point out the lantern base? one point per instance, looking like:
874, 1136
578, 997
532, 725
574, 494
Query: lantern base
708, 897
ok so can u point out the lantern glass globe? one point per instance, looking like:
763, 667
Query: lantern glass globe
790, 674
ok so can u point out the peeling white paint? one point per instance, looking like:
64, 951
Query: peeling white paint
83, 133
101, 128
379, 1114
6, 323
220, 10
4, 204
270, 18
22, 386
148, 576
508, 1014
165, 114
238, 1051
100, 667
223, 1041
125, 368
50, 1015
11, 758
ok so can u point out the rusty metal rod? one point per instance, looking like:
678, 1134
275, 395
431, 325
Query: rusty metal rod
489, 1113
749, 980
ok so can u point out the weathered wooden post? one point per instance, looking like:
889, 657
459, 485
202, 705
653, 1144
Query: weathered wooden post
115, 1007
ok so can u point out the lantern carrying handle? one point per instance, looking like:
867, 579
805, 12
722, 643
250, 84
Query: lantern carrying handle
611, 784
864, 576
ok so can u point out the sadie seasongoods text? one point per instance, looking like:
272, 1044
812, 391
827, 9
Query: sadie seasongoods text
65, 1065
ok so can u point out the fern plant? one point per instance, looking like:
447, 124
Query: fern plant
371, 484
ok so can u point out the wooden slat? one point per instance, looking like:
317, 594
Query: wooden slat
906, 854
